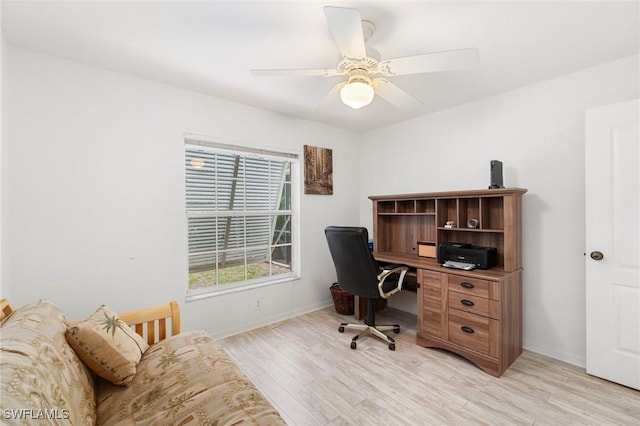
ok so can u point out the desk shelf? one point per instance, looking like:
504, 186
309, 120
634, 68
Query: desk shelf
407, 214
442, 228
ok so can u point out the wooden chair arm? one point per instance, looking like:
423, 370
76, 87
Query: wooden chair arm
5, 308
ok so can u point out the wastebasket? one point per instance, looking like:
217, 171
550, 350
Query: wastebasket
342, 300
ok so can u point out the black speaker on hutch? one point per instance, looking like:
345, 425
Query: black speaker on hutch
496, 175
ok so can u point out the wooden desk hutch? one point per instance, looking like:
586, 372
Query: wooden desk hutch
476, 314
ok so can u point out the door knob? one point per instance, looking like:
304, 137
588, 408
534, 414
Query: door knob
596, 255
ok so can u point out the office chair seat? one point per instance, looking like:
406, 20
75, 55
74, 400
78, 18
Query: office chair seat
358, 273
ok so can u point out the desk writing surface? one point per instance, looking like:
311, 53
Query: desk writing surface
415, 261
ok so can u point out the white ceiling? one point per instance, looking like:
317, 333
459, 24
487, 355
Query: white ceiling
210, 46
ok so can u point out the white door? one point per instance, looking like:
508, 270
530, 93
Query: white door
612, 159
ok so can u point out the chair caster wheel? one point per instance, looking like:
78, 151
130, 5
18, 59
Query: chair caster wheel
341, 329
396, 330
392, 346
353, 345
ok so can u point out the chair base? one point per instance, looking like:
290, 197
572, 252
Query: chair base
376, 331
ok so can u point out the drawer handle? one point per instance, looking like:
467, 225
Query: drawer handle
466, 302
467, 329
467, 285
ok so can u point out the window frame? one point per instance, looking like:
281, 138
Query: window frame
218, 145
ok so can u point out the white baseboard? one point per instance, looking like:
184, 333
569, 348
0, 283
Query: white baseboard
270, 320
555, 354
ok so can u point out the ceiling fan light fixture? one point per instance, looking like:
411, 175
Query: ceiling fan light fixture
357, 94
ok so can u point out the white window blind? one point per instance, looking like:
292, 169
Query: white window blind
239, 215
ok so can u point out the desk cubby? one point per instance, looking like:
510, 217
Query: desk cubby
400, 221
490, 334
407, 207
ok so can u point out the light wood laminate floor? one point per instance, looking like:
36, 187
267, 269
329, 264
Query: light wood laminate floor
306, 368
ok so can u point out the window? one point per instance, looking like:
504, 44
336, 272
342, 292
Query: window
240, 216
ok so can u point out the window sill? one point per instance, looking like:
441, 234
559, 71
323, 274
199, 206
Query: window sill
196, 295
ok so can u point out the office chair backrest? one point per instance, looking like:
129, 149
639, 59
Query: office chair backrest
356, 268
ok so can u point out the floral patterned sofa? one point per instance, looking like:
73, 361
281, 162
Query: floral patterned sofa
52, 372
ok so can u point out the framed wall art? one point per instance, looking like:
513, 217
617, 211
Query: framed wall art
318, 170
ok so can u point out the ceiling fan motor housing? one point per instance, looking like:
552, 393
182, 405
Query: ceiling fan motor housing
370, 65
359, 75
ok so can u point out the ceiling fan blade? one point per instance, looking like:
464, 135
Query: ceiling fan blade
395, 95
431, 62
332, 96
346, 27
325, 72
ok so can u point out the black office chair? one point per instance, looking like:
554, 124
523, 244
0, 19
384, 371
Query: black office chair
359, 274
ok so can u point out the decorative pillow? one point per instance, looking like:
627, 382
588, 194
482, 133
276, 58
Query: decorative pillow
107, 345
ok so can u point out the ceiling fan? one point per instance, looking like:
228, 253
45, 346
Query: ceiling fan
362, 67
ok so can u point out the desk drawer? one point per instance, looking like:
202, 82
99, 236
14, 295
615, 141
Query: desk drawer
469, 330
469, 303
473, 286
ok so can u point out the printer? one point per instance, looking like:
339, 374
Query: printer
481, 257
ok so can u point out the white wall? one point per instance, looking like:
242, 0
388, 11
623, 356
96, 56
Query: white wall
95, 194
538, 133
3, 112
